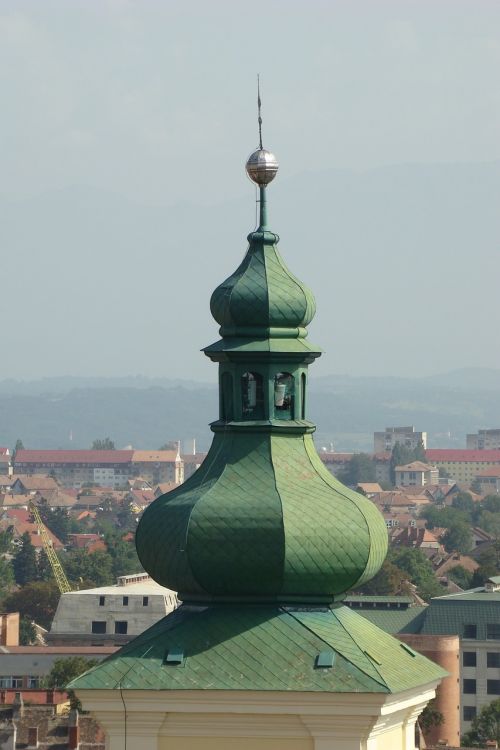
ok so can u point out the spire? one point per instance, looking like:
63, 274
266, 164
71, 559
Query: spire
261, 167
262, 520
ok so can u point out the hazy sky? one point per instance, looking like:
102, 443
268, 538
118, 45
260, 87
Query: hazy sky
155, 101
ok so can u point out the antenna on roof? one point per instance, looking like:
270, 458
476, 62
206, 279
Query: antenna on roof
259, 104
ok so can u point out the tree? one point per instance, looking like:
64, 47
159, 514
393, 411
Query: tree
389, 580
6, 540
65, 670
458, 538
95, 569
27, 632
57, 520
36, 601
463, 501
6, 574
489, 565
461, 576
360, 468
430, 718
172, 445
18, 447
485, 727
418, 570
104, 444
24, 562
491, 503
490, 522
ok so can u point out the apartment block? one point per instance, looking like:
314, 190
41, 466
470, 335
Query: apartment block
484, 440
406, 436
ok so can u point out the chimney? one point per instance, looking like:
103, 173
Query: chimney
18, 706
73, 730
32, 738
10, 470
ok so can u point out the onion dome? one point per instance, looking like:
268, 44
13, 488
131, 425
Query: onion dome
262, 293
262, 520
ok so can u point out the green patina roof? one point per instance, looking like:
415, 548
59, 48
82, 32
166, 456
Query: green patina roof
396, 620
262, 292
264, 518
447, 615
263, 648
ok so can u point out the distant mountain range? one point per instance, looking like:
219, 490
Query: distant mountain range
145, 412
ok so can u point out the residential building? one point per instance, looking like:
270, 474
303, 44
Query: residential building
21, 521
475, 617
483, 440
489, 480
110, 614
463, 465
335, 462
107, 468
417, 474
192, 462
405, 436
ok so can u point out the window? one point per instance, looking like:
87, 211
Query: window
493, 631
125, 601
98, 626
102, 601
226, 397
33, 681
303, 395
469, 658
469, 686
252, 396
470, 631
493, 659
469, 713
493, 687
121, 627
145, 601
283, 395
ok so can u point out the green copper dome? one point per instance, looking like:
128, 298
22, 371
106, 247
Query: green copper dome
262, 520
262, 293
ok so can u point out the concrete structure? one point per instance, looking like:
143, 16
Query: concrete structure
483, 440
489, 480
110, 614
9, 629
106, 468
416, 474
405, 436
463, 465
25, 667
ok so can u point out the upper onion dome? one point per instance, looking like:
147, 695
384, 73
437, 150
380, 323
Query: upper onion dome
262, 292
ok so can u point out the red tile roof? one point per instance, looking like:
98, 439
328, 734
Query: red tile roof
462, 454
73, 457
493, 471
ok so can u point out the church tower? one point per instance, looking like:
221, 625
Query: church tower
262, 543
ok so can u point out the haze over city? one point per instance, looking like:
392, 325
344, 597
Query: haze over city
123, 199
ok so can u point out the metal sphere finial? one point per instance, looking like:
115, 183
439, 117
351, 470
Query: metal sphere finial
261, 167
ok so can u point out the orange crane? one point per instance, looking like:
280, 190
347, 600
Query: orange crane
57, 569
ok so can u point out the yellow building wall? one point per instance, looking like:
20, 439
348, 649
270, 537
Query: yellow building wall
237, 743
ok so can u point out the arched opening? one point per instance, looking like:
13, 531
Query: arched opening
303, 395
283, 395
252, 396
227, 397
